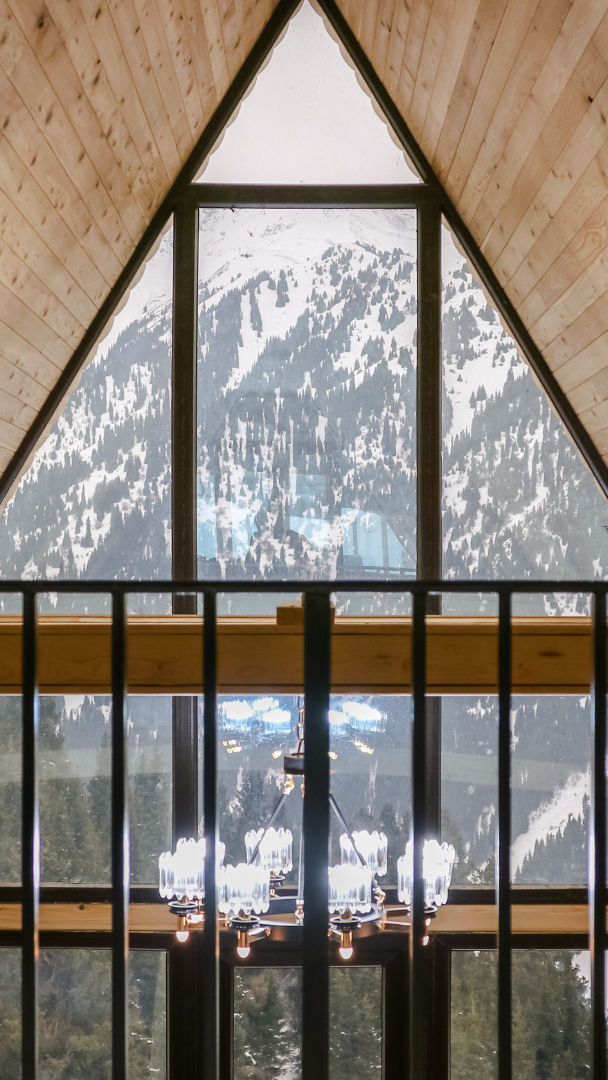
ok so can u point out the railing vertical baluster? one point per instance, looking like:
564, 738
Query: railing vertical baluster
503, 839
210, 949
30, 843
419, 960
597, 841
315, 953
120, 842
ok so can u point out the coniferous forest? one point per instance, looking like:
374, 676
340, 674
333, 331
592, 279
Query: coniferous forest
307, 468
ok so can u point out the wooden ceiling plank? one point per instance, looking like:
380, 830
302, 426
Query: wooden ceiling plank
47, 45
591, 402
367, 26
23, 282
126, 23
559, 246
568, 258
28, 245
430, 63
31, 203
584, 366
416, 32
565, 118
459, 31
26, 357
26, 138
582, 165
167, 46
215, 44
16, 313
585, 329
382, 36
578, 298
10, 436
260, 14
352, 11
571, 44
245, 21
6, 457
396, 46
37, 94
485, 27
80, 46
19, 385
230, 36
199, 50
524, 39
16, 412
118, 73
171, 12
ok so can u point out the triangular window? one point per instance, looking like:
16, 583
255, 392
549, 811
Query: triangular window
96, 501
518, 499
307, 121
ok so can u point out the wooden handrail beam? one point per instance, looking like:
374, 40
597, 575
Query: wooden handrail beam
257, 655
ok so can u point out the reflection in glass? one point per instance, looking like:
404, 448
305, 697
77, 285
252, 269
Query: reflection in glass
550, 788
75, 786
96, 501
518, 499
370, 772
551, 1015
306, 397
268, 1024
74, 1017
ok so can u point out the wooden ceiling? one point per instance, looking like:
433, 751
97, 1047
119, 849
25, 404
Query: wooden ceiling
102, 102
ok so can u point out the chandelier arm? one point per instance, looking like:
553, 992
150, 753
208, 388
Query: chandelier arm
275, 814
340, 817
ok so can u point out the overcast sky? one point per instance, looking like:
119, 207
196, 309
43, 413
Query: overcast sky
307, 121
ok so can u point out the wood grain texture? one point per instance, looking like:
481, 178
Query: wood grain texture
258, 655
101, 103
452, 918
508, 100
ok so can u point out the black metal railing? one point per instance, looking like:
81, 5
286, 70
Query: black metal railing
317, 687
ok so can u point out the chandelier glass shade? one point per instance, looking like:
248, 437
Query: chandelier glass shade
251, 895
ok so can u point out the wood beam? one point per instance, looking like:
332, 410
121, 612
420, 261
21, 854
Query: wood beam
451, 919
259, 655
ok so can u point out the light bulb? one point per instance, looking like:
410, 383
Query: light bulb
346, 954
182, 935
243, 951
425, 939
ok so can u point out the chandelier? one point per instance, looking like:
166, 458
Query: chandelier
248, 892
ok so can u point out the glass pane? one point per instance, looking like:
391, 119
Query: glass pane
551, 770
307, 121
469, 785
255, 732
268, 1024
551, 1015
75, 787
518, 499
10, 1014
75, 1014
96, 501
10, 789
307, 397
370, 740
